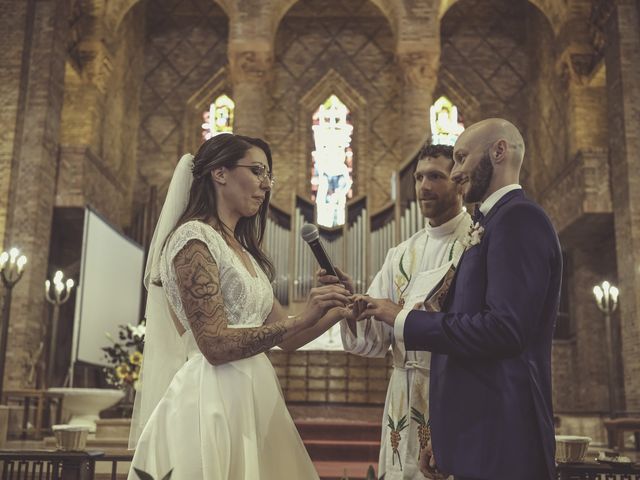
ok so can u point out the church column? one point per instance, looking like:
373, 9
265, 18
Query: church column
13, 27
250, 65
33, 174
622, 50
590, 211
87, 75
419, 69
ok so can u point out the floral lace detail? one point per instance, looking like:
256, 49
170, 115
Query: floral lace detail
247, 300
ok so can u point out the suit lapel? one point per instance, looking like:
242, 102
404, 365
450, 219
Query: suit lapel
506, 198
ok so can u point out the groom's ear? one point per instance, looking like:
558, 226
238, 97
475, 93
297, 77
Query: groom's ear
499, 153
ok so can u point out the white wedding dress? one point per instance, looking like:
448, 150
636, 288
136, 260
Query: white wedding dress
225, 422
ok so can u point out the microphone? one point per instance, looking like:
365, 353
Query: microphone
309, 234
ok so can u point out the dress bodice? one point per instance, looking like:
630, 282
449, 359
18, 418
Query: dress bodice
247, 299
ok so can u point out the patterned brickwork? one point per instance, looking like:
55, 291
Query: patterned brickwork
185, 45
355, 40
488, 58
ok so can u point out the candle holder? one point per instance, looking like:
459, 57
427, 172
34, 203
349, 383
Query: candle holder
56, 296
606, 296
12, 265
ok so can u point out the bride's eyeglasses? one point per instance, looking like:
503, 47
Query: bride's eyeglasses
261, 172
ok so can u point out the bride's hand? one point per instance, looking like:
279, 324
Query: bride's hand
322, 299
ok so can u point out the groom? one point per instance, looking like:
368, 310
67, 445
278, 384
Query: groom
490, 388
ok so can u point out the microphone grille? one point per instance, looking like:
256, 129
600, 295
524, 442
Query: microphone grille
309, 232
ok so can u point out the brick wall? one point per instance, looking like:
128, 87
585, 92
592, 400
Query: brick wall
623, 98
12, 26
100, 125
33, 180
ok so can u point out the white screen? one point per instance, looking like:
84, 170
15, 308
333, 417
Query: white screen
110, 287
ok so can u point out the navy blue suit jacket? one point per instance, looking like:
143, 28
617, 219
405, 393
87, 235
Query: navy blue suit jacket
490, 388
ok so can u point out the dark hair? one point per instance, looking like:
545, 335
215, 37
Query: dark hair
434, 151
225, 150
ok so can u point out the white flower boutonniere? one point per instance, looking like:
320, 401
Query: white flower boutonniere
474, 237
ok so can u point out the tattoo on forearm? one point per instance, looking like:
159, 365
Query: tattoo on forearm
199, 285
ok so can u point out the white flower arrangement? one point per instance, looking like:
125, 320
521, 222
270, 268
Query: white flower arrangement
474, 237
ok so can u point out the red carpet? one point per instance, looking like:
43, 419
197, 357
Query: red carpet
341, 448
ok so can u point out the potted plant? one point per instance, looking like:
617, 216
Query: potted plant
125, 358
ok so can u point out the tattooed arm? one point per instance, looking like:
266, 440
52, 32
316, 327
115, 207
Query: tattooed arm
199, 286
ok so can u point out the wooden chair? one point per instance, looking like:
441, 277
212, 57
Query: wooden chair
616, 428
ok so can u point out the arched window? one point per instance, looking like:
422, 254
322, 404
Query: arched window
332, 161
219, 118
446, 125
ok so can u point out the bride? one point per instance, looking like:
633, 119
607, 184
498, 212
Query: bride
210, 406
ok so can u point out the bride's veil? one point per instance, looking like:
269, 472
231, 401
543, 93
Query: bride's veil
163, 350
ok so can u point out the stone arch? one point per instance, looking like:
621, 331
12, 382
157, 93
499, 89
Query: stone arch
182, 53
552, 10
388, 8
116, 10
306, 48
334, 83
491, 71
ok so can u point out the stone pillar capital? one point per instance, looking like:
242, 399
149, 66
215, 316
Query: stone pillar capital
250, 66
98, 64
576, 64
419, 68
250, 63
89, 37
419, 71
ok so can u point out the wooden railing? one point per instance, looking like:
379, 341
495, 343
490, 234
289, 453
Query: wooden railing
57, 465
598, 471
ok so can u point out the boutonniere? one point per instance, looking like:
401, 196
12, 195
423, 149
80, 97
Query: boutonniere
474, 237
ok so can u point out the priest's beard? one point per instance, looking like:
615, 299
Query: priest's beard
479, 180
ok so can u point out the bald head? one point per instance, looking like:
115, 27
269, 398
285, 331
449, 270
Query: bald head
488, 155
492, 130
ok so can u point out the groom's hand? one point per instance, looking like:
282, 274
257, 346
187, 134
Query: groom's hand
382, 309
351, 312
428, 464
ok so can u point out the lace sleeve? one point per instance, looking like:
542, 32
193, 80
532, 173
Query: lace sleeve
189, 231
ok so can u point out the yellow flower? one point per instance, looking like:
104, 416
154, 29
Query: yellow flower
122, 371
135, 358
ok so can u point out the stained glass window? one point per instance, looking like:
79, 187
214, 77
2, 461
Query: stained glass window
219, 117
332, 161
446, 124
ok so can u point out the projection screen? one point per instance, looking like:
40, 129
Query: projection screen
109, 290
